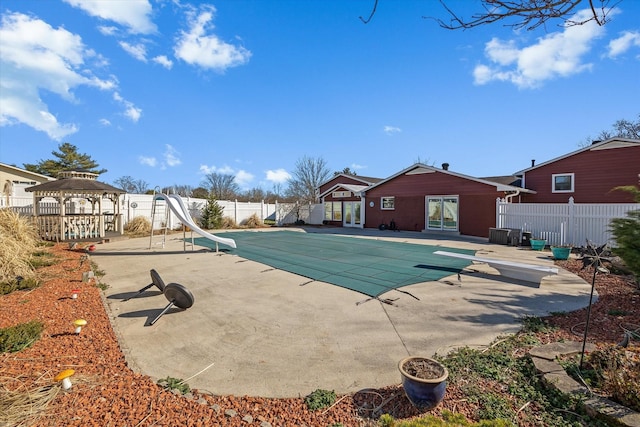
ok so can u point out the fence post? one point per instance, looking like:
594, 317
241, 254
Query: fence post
571, 228
498, 225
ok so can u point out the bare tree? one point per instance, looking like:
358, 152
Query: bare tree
308, 175
530, 14
179, 189
621, 129
200, 193
527, 14
221, 186
131, 185
255, 194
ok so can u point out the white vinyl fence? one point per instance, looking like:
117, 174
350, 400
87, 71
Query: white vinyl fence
563, 223
133, 205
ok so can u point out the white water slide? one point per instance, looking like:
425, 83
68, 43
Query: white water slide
179, 209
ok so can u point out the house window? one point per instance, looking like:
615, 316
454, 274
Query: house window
387, 203
333, 211
562, 183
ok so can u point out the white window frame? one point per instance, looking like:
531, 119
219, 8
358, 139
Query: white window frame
558, 175
333, 211
385, 201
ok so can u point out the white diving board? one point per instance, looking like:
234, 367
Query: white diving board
515, 270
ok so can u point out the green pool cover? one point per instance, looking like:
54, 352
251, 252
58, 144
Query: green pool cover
368, 266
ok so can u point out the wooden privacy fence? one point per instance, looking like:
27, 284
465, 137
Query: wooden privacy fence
563, 223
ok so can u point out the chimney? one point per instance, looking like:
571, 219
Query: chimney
533, 162
445, 166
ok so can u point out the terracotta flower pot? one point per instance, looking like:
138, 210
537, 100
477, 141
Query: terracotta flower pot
424, 381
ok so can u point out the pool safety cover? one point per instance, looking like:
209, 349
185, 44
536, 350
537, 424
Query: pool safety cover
369, 266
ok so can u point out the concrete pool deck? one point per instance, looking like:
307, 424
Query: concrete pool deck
254, 330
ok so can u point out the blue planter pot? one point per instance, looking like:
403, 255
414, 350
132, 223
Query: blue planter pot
538, 244
560, 253
424, 393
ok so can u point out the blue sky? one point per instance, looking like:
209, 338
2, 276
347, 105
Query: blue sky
168, 91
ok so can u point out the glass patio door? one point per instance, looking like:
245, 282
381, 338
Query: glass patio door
351, 217
442, 213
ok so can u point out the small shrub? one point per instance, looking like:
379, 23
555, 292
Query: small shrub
138, 226
18, 284
253, 221
42, 259
320, 399
616, 312
228, 223
171, 383
211, 215
19, 337
532, 324
449, 419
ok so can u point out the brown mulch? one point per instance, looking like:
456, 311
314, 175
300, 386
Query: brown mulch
106, 392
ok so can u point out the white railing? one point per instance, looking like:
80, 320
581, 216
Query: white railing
563, 223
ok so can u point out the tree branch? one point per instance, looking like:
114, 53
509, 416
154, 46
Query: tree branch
531, 13
373, 12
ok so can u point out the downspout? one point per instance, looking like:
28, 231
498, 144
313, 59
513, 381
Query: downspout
508, 197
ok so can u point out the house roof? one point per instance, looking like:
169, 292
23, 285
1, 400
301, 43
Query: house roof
513, 180
351, 187
26, 172
602, 145
364, 179
419, 168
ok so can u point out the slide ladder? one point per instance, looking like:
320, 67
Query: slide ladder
175, 204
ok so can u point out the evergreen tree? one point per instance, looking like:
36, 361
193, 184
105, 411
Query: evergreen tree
627, 234
211, 214
68, 158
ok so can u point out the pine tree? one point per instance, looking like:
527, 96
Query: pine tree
211, 214
627, 234
68, 159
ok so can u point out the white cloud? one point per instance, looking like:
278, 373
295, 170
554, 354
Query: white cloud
243, 178
198, 46
558, 54
278, 176
356, 167
36, 57
138, 51
130, 110
133, 14
107, 30
171, 156
623, 43
149, 161
105, 122
390, 130
164, 61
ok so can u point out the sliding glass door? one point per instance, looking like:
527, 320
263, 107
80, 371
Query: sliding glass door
442, 213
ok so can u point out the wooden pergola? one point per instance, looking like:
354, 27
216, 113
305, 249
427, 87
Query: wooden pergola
77, 211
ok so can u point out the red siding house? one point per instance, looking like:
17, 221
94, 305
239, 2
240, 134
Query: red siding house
341, 197
425, 198
588, 175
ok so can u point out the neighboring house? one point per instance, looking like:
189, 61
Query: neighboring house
426, 198
14, 180
342, 199
588, 175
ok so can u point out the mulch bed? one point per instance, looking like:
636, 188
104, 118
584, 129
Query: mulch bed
106, 392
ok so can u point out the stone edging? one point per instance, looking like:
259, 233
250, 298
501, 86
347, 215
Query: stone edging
545, 360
